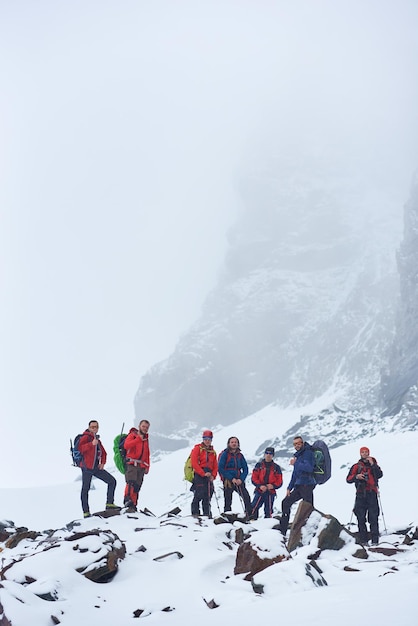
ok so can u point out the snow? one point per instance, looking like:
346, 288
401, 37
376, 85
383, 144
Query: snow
383, 588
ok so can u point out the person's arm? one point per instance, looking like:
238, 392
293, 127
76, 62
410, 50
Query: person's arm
194, 457
306, 462
214, 466
353, 473
103, 457
256, 476
278, 477
244, 469
221, 465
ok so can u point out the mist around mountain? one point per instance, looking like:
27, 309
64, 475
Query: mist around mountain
305, 304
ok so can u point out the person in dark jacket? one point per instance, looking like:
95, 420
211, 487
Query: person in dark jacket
233, 470
365, 475
302, 483
137, 463
94, 459
267, 477
205, 466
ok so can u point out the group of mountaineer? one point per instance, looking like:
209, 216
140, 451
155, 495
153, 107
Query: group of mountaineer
94, 458
233, 471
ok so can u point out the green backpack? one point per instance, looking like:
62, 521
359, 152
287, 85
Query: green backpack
188, 469
119, 452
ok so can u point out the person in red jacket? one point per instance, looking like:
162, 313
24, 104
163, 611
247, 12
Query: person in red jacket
205, 466
267, 477
365, 475
94, 459
137, 463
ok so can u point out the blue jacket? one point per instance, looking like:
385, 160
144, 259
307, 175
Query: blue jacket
232, 465
303, 468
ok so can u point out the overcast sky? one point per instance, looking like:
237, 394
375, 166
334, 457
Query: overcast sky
126, 127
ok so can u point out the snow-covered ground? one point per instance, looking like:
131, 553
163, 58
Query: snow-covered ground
206, 571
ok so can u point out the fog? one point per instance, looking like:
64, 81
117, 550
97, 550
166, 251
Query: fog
126, 130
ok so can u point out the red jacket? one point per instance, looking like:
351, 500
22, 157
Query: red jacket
93, 456
261, 477
204, 460
373, 474
137, 449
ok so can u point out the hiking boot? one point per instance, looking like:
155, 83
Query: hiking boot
112, 507
86, 514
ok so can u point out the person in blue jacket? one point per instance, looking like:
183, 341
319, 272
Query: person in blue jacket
233, 470
302, 483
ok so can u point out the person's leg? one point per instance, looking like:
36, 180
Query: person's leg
243, 492
110, 480
227, 495
86, 476
306, 492
198, 489
207, 495
268, 504
287, 503
255, 504
360, 508
373, 516
132, 487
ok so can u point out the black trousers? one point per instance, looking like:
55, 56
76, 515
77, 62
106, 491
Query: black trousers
366, 506
241, 490
300, 492
102, 474
203, 491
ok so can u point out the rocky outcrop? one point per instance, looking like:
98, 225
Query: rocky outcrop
402, 377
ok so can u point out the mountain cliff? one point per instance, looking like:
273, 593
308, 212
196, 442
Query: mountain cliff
304, 306
400, 382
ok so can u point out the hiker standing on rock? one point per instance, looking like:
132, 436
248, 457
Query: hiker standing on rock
205, 467
94, 459
267, 477
365, 475
137, 463
302, 483
233, 470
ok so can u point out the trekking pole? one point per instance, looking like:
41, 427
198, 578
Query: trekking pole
381, 510
350, 523
217, 501
239, 490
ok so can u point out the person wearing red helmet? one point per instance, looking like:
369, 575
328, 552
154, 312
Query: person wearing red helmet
205, 466
365, 475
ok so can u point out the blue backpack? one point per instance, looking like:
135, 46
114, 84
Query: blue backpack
76, 455
322, 467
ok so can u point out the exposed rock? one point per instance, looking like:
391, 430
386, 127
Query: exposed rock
163, 557
330, 534
211, 603
19, 536
250, 560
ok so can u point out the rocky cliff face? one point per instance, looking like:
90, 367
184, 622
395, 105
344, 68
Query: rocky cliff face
400, 383
304, 305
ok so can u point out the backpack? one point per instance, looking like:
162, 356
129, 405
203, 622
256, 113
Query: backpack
76, 455
119, 452
188, 469
322, 457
